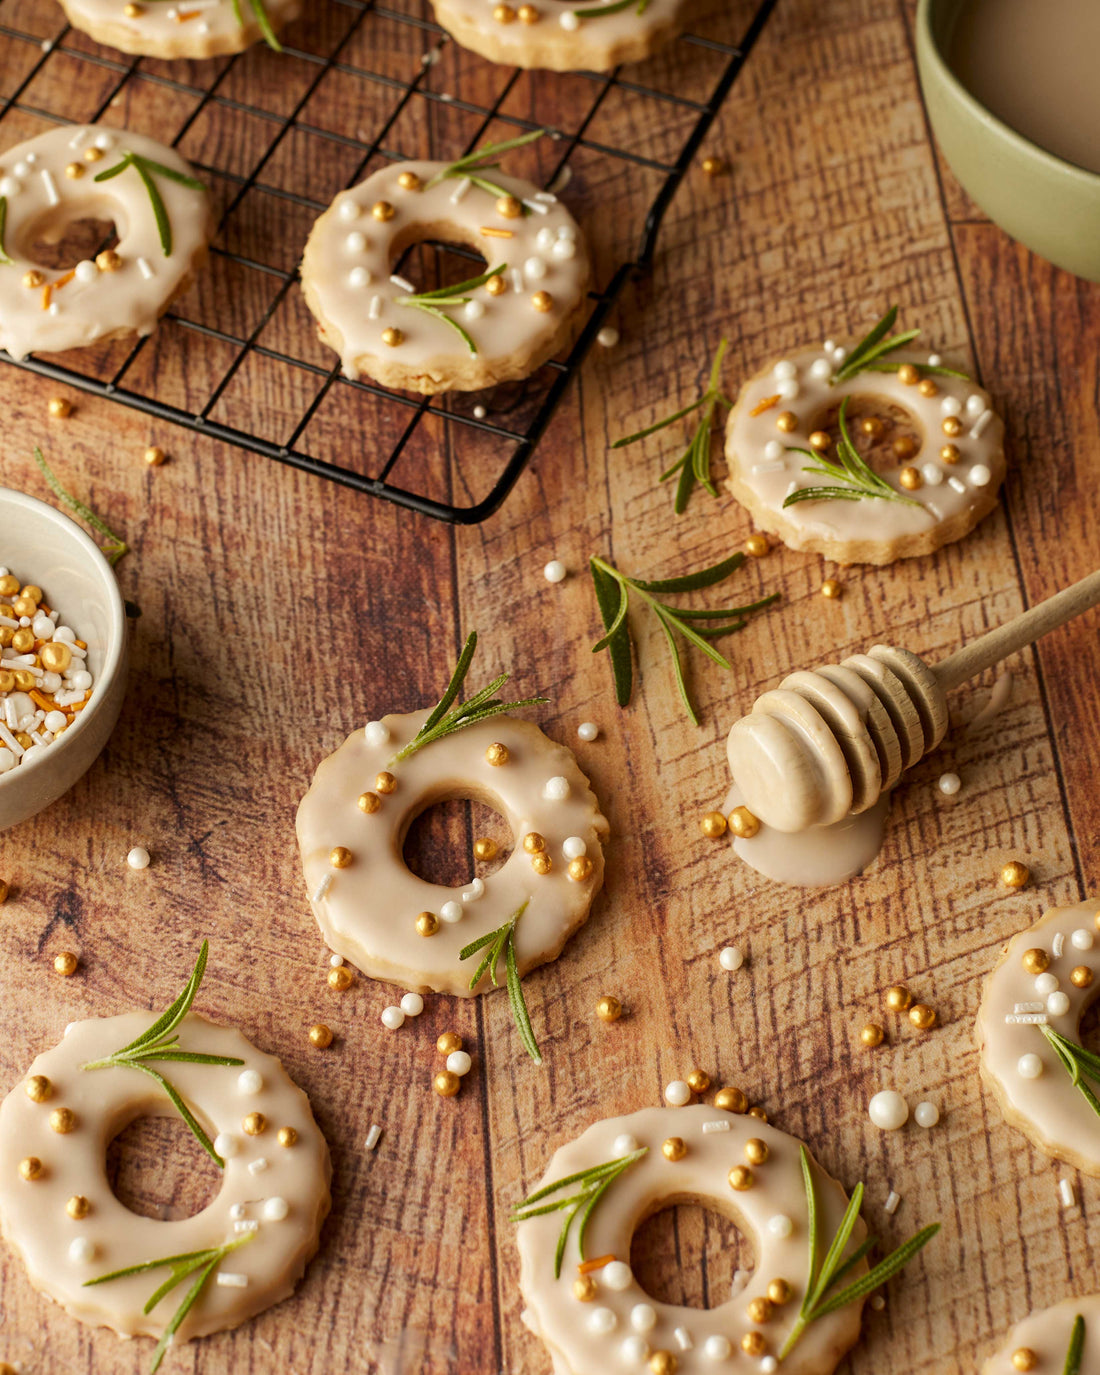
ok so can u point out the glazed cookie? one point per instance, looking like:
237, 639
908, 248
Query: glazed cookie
498, 327
1041, 1342
191, 28
565, 37
1028, 1029
936, 487
80, 172
396, 926
594, 1316
58, 1211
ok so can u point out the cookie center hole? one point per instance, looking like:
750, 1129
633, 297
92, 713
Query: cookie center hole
431, 265
885, 435
157, 1169
690, 1256
439, 846
60, 244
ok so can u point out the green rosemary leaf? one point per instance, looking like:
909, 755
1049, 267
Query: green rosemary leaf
184, 1057
640, 7
116, 547
692, 582
822, 494
486, 713
265, 25
617, 621
1076, 1060
870, 339
177, 1318
686, 484
463, 333
110, 173
839, 1244
689, 614
1076, 1347
856, 480
486, 697
563, 1238
181, 178
178, 1275
608, 591
167, 1022
482, 159
678, 670
925, 370
881, 350
200, 1257
183, 1110
475, 946
714, 632
853, 1260
4, 259
590, 1208
160, 214
502, 942
660, 425
883, 1271
813, 1225
444, 292
519, 1004
454, 687
690, 633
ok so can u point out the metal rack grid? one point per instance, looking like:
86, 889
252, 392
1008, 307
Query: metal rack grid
509, 425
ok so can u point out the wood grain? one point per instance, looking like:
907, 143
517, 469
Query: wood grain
279, 612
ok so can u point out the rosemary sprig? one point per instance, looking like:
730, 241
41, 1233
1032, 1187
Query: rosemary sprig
261, 19
481, 160
146, 168
693, 465
115, 547
613, 591
445, 719
159, 1043
205, 1261
1076, 1347
5, 261
824, 1274
432, 301
503, 941
592, 1185
853, 478
1077, 1061
640, 7
869, 353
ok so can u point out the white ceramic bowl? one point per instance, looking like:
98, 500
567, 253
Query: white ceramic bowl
44, 547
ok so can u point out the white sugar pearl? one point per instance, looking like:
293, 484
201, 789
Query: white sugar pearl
42, 627
773, 450
459, 1062
138, 858
9, 186
975, 404
731, 957
104, 142
7, 760
788, 390
275, 1209
820, 368
535, 268
375, 733
237, 1212
1029, 1067
588, 730
348, 210
82, 1250
768, 1365
1080, 940
624, 1145
1045, 983
602, 1320
227, 1146
785, 370
829, 345
780, 1226
608, 337
573, 847
567, 231
335, 961
474, 310
569, 21
878, 1303
677, 1093
450, 912
926, 1114
54, 720
980, 476
717, 1348
949, 784
932, 474
249, 1081
554, 571
633, 1350
1058, 1004
86, 271
81, 681
934, 360
358, 277
479, 411
50, 682
21, 169
888, 1110
556, 789
839, 355
392, 1018
545, 239
565, 248
66, 633
412, 1004
950, 405
617, 1275
643, 1317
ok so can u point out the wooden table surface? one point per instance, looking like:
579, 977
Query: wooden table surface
279, 612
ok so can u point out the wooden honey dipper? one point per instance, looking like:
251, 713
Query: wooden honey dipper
826, 744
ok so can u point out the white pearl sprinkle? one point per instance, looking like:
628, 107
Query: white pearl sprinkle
569, 21
633, 1350
617, 1275
829, 345
275, 1209
480, 412
545, 238
359, 277
348, 210
9, 187
392, 1018
878, 1303
86, 271
926, 1115
355, 242
1046, 983
1081, 939
450, 912
820, 368
249, 1081
624, 1145
104, 142
951, 405
949, 784
226, 1146
237, 1212
412, 1004
980, 476
138, 858
602, 1321
788, 390
21, 169
608, 337
888, 1110
554, 571
82, 1250
1058, 1004
839, 355
474, 310
717, 1348
780, 1225
565, 249
1029, 1067
773, 450
459, 1062
677, 1093
335, 961
574, 847
934, 360
932, 474
556, 789
376, 733
588, 730
975, 404
768, 1365
643, 1317
785, 370
567, 231
731, 957
535, 268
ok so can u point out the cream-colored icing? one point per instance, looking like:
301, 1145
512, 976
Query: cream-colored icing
542, 40
187, 28
42, 200
367, 911
1047, 1334
555, 1315
771, 476
33, 1213
350, 256
817, 857
1049, 1108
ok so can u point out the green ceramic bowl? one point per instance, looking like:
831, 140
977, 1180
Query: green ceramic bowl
1050, 205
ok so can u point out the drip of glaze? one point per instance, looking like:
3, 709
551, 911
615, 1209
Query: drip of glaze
818, 857
998, 700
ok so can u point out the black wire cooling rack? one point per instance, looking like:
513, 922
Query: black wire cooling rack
271, 134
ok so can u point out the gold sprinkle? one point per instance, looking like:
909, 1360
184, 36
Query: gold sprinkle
533, 843
741, 1178
155, 456
898, 998
756, 1151
922, 1016
33, 279
786, 421
580, 870
409, 181
542, 302
339, 979
485, 848
385, 783
910, 479
448, 1043
78, 1207
872, 1035
31, 1168
427, 924
287, 1137
60, 407
1081, 976
713, 825
38, 1088
952, 426
74, 171
509, 208
65, 963
760, 1310
392, 337
1014, 874
446, 1084
673, 1148
108, 260
340, 857
663, 1363
927, 387
756, 546
369, 803
382, 211
585, 1288
92, 154
497, 755
698, 1081
754, 1344
831, 589
779, 1291
904, 448
541, 863
320, 1036
62, 1121
1035, 961
609, 1009
731, 1100
496, 286
713, 166
254, 1124
528, 14
503, 14
743, 823
908, 375
1023, 1358
819, 440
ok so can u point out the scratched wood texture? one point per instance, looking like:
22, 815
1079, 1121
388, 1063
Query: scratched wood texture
279, 612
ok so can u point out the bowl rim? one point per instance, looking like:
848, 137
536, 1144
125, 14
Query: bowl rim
116, 630
1054, 162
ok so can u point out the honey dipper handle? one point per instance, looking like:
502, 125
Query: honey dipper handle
998, 644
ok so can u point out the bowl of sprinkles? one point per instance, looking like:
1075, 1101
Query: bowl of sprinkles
63, 654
